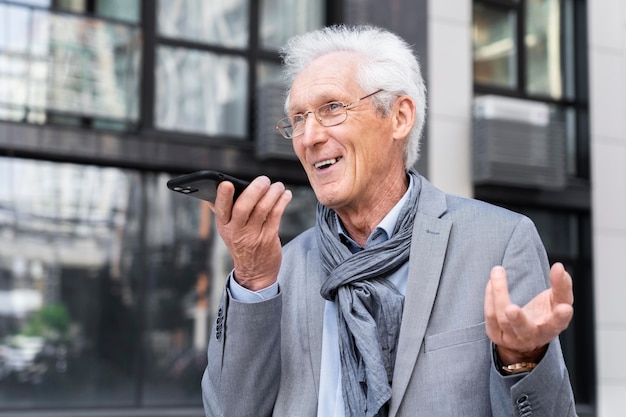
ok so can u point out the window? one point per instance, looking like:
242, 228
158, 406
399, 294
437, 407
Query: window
67, 68
211, 62
529, 49
108, 280
108, 285
201, 92
495, 50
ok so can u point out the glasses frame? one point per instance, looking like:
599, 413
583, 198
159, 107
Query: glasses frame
287, 123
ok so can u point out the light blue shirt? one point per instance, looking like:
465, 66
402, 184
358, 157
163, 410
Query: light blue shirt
330, 402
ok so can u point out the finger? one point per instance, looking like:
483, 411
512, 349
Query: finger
519, 323
561, 282
563, 314
223, 205
273, 221
248, 200
491, 323
263, 209
499, 285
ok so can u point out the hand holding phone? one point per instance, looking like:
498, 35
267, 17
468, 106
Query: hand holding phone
250, 232
203, 184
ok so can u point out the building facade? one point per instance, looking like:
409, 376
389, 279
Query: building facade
108, 280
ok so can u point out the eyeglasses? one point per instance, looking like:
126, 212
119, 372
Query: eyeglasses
329, 114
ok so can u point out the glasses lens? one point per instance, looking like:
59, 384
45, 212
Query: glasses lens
331, 114
285, 128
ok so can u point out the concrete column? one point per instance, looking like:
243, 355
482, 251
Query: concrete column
607, 88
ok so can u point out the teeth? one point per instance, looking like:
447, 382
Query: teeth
326, 162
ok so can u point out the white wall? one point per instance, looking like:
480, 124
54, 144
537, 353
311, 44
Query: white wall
607, 66
450, 91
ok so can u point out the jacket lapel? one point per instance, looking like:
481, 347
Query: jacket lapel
428, 248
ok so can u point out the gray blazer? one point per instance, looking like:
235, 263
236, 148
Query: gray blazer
264, 358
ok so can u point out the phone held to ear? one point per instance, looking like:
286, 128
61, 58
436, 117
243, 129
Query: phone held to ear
203, 184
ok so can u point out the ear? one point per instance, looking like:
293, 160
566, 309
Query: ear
403, 117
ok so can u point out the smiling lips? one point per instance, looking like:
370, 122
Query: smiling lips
326, 163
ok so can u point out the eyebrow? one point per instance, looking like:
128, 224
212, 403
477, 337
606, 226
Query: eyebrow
321, 100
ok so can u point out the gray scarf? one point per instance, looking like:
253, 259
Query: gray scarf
369, 307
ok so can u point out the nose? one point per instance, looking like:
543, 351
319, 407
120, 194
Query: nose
314, 132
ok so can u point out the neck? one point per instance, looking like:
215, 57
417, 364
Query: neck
360, 221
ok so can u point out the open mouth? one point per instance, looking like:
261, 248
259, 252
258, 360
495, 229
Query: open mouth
326, 163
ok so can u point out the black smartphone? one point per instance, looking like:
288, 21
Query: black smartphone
203, 184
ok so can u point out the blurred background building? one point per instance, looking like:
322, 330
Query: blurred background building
108, 280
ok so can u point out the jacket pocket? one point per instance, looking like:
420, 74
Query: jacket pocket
457, 337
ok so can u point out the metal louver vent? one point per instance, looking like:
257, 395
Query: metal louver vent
269, 144
516, 142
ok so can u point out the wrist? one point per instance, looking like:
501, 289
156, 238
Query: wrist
509, 356
510, 362
255, 283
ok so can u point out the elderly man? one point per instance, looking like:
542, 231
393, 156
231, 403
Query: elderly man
402, 300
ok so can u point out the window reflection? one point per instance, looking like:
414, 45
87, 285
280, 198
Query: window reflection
57, 64
201, 92
67, 326
187, 266
180, 242
108, 285
543, 48
223, 23
282, 19
495, 53
128, 10
270, 74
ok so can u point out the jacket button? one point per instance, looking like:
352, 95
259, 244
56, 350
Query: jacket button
218, 332
523, 406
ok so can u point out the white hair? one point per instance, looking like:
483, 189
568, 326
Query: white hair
388, 64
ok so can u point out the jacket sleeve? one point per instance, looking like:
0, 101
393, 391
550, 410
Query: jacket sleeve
243, 371
546, 390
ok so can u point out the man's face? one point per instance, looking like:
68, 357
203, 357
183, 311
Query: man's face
350, 166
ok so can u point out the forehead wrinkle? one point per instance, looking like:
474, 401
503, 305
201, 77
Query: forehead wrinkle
313, 102
328, 78
324, 93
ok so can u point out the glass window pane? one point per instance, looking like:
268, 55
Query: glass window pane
76, 6
187, 268
85, 264
71, 65
222, 23
94, 68
270, 73
40, 3
181, 248
127, 10
495, 53
543, 48
68, 289
282, 19
201, 92
15, 22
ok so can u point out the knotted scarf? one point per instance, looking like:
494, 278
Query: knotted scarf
369, 307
